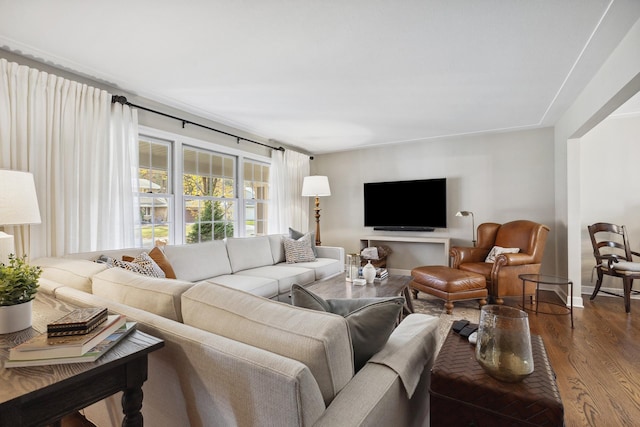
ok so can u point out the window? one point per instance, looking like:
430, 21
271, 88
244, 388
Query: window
256, 198
154, 193
209, 195
192, 191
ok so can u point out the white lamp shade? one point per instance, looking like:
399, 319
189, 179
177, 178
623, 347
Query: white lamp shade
316, 186
18, 200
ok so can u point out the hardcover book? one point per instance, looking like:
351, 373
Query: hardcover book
43, 346
91, 356
80, 321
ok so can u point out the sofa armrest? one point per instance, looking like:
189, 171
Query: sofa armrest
333, 252
411, 346
378, 394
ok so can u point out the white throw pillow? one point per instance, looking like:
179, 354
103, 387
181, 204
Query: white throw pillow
497, 250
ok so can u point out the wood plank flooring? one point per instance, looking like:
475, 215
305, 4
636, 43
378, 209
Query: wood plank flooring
598, 363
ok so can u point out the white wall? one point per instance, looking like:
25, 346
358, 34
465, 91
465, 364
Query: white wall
499, 177
616, 81
610, 188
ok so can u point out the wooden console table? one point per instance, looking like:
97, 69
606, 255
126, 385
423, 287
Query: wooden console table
444, 241
42, 395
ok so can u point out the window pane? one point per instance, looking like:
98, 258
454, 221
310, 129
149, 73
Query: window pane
208, 220
189, 158
155, 200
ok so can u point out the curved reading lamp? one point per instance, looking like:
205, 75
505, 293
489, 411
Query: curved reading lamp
473, 226
316, 186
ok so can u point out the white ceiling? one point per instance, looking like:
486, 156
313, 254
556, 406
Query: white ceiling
333, 75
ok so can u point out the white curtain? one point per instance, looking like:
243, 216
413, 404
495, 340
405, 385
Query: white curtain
288, 208
80, 153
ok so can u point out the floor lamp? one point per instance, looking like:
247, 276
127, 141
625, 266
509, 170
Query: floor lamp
473, 226
18, 206
316, 186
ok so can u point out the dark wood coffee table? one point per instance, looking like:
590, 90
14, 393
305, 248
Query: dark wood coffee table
42, 395
338, 287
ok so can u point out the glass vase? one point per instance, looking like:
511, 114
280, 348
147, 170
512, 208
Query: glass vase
503, 346
353, 267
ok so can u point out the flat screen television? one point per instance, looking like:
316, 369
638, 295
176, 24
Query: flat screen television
416, 205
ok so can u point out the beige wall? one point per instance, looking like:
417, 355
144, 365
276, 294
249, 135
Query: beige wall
499, 177
610, 190
616, 81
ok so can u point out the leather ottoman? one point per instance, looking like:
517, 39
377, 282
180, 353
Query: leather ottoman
462, 394
449, 284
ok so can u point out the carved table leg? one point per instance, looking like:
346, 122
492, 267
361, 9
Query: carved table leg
131, 406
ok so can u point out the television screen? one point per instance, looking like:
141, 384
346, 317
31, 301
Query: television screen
417, 205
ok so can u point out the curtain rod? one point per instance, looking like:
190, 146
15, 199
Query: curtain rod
123, 100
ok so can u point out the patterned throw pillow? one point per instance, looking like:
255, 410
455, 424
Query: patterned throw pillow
142, 264
296, 235
298, 250
497, 250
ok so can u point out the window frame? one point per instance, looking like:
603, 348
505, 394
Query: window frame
176, 159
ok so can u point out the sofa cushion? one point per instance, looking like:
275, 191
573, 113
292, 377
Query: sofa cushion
198, 261
298, 250
261, 286
319, 340
156, 295
371, 320
76, 273
322, 267
248, 252
284, 276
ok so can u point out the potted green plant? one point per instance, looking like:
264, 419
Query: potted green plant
18, 287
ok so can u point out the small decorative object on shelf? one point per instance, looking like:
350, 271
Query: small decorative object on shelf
503, 347
369, 272
18, 287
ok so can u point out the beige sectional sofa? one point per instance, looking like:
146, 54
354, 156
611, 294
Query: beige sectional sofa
235, 354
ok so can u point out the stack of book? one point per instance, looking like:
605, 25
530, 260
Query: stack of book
81, 336
381, 273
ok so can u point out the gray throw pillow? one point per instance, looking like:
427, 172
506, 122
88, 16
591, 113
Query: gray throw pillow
295, 235
371, 320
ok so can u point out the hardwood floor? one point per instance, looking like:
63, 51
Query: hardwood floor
597, 363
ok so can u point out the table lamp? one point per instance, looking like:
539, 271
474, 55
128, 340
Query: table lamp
316, 186
473, 226
18, 206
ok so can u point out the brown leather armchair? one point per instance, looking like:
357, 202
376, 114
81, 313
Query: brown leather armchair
502, 275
